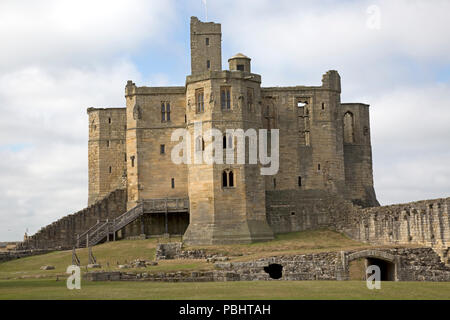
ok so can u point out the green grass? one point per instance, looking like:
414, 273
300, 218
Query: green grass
271, 290
110, 254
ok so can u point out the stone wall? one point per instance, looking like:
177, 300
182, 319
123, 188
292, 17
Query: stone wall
167, 251
411, 264
13, 255
422, 222
298, 210
61, 234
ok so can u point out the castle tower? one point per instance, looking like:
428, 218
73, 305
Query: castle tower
106, 151
358, 154
227, 201
325, 136
206, 46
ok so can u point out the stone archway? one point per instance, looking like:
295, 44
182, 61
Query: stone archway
389, 264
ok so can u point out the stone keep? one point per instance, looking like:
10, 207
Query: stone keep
324, 180
324, 147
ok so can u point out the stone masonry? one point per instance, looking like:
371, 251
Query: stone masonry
405, 264
324, 146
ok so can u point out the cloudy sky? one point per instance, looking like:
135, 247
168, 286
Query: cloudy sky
59, 57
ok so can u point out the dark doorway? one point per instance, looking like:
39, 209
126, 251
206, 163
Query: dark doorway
387, 268
274, 270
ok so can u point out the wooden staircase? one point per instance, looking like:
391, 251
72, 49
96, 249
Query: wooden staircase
105, 228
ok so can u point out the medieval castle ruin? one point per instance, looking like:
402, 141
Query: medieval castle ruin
325, 165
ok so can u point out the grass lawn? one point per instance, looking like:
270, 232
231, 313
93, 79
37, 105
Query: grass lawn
110, 254
271, 290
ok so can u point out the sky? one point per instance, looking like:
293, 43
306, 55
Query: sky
57, 58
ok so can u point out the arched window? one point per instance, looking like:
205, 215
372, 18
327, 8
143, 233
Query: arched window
349, 130
224, 141
224, 179
227, 179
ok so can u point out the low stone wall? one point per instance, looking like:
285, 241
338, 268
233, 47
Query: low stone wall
13, 255
62, 233
174, 250
411, 264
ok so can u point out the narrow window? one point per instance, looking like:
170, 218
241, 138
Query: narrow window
207, 41
185, 119
224, 142
225, 98
224, 179
203, 145
173, 183
240, 67
292, 213
231, 179
132, 161
110, 169
230, 142
274, 183
107, 143
168, 111
162, 149
323, 106
250, 99
307, 138
208, 64
198, 144
199, 101
299, 181
163, 112
125, 156
109, 120
318, 167
349, 131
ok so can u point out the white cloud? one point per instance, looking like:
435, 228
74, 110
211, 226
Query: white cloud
83, 32
294, 42
58, 58
411, 143
43, 153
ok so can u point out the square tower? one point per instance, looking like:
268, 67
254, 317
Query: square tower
206, 46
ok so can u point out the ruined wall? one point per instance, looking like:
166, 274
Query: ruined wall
13, 255
61, 234
311, 147
412, 264
106, 153
422, 222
